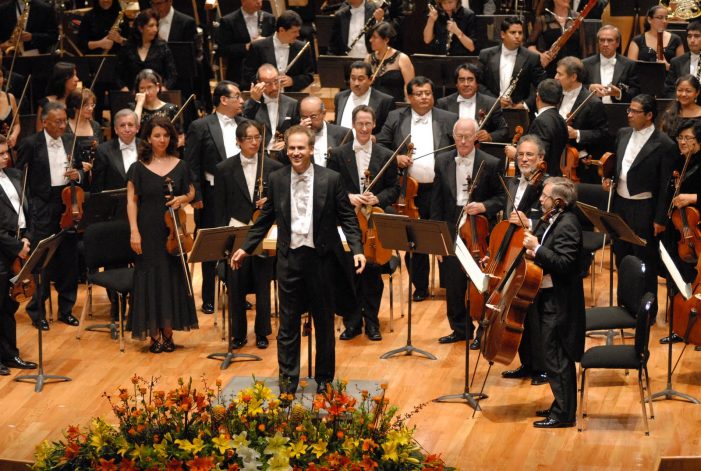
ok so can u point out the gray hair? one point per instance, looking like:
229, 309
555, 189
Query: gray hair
51, 106
563, 189
126, 112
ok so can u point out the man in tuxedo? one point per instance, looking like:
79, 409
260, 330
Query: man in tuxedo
352, 160
502, 64
557, 249
362, 93
611, 75
44, 156
275, 110
280, 50
326, 135
238, 30
454, 171
588, 129
469, 103
12, 245
430, 129
306, 202
114, 157
349, 22
644, 160
211, 140
238, 196
41, 32
687, 63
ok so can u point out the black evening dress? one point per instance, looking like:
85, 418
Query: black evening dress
648, 54
160, 298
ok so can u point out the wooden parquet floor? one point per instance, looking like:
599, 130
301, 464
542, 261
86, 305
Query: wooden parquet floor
499, 437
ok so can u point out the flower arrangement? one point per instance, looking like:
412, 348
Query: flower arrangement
193, 429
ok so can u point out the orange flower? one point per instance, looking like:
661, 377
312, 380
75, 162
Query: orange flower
104, 465
340, 434
261, 427
369, 444
200, 464
174, 465
128, 465
368, 464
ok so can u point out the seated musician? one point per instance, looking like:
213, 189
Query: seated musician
557, 249
352, 160
687, 63
237, 196
450, 29
348, 26
469, 102
644, 47
455, 170
41, 31
99, 31
685, 105
588, 128
611, 75
361, 92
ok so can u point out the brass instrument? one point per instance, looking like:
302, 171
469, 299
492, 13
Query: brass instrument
371, 22
683, 9
115, 27
16, 44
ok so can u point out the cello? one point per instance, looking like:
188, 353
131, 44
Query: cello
686, 312
179, 241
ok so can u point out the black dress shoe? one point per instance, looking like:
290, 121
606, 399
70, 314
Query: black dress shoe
4, 371
322, 386
44, 325
475, 344
539, 378
168, 345
552, 423
349, 333
156, 346
419, 296
519, 373
262, 341
238, 343
208, 308
17, 362
542, 413
373, 334
675, 339
69, 319
451, 338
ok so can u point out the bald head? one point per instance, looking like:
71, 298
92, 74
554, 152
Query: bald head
464, 132
312, 113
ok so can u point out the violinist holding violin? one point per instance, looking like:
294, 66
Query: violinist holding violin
160, 301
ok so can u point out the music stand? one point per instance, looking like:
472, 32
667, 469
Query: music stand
211, 245
676, 283
334, 70
35, 265
398, 232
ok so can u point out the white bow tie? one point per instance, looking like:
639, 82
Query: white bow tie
508, 53
421, 120
302, 177
365, 148
55, 143
607, 61
131, 146
246, 162
462, 99
283, 46
462, 160
228, 121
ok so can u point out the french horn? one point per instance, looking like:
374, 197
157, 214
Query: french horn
683, 9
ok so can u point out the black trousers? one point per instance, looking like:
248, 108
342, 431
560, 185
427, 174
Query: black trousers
369, 288
8, 308
421, 268
205, 217
254, 275
456, 284
304, 283
530, 350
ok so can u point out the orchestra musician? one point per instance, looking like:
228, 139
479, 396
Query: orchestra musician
468, 102
685, 106
352, 160
687, 63
392, 69
361, 92
211, 140
8, 109
643, 47
310, 254
45, 156
236, 199
560, 302
114, 157
96, 33
64, 79
644, 159
431, 129
548, 27
280, 50
237, 30
450, 29
41, 32
13, 245
349, 22
453, 169
326, 135
608, 70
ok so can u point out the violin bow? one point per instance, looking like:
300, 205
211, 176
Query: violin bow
388, 163
472, 184
297, 57
182, 108
433, 152
19, 103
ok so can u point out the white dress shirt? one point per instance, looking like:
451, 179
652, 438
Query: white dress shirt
568, 99
357, 22
422, 137
58, 161
352, 102
606, 71
694, 66
363, 152
464, 165
128, 153
251, 20
250, 169
228, 129
302, 192
321, 146
11, 192
282, 54
467, 107
506, 67
520, 191
272, 105
637, 141
164, 25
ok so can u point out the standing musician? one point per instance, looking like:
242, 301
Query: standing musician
41, 31
326, 135
280, 50
526, 210
687, 63
210, 140
349, 23
560, 301
352, 160
361, 92
114, 157
12, 245
588, 129
45, 156
644, 159
450, 198
502, 64
468, 102
430, 129
310, 254
237, 198
238, 30
608, 70
450, 28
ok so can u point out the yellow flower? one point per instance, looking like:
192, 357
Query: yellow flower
391, 453
222, 443
139, 452
297, 449
279, 463
349, 445
263, 392
276, 444
255, 407
193, 448
161, 449
319, 448
240, 440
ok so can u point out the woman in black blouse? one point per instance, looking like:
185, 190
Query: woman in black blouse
64, 79
450, 29
145, 50
96, 35
548, 27
644, 46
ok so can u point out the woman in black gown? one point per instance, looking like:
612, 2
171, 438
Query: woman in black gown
160, 300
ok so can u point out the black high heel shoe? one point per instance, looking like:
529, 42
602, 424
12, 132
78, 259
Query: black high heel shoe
168, 345
156, 346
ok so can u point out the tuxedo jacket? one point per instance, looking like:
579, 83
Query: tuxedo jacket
678, 66
591, 122
651, 169
9, 217
109, 173
527, 61
496, 125
182, 28
41, 22
552, 130
342, 160
623, 73
232, 199
444, 206
232, 37
561, 255
262, 52
530, 201
334, 137
341, 24
381, 103
398, 125
287, 114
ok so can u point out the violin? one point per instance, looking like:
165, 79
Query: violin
372, 247
73, 198
23, 289
179, 242
475, 229
606, 164
686, 221
511, 163
409, 188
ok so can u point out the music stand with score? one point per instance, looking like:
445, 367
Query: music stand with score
212, 245
35, 265
398, 232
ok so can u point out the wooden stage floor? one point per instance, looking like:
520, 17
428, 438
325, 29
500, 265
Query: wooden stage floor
499, 437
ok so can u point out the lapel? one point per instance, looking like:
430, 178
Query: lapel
373, 102
320, 187
685, 64
265, 117
437, 129
115, 156
481, 103
520, 60
581, 96
352, 166
342, 100
646, 150
617, 69
621, 150
494, 63
451, 172
6, 199
345, 26
404, 125
241, 24
550, 229
284, 192
268, 50
240, 178
217, 135
282, 108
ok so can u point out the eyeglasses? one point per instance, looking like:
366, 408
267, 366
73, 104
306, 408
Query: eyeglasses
310, 116
685, 138
631, 110
663, 18
252, 138
422, 94
527, 154
464, 137
235, 96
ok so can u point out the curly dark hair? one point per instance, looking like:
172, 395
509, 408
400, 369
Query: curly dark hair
145, 149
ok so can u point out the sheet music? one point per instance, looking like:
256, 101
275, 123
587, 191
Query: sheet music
684, 288
470, 266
